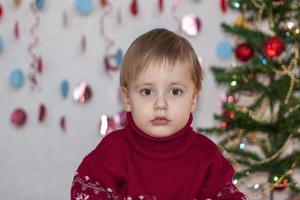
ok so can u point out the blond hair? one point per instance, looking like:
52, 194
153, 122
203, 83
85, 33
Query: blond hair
159, 46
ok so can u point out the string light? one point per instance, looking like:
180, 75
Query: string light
234, 181
242, 146
233, 83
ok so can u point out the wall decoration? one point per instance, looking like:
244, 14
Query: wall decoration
82, 92
17, 30
36, 64
64, 88
18, 117
40, 4
224, 50
84, 6
42, 112
17, 78
1, 45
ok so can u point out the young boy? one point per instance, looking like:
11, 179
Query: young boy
157, 155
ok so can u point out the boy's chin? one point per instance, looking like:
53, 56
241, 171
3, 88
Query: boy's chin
160, 132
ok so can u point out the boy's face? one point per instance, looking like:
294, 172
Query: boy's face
161, 99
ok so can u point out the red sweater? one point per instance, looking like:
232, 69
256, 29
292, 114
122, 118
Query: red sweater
128, 164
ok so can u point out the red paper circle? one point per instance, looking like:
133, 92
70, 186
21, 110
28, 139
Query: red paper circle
134, 8
18, 117
244, 52
1, 11
42, 112
17, 30
223, 5
161, 5
273, 47
62, 123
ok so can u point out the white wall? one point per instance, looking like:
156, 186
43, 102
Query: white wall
38, 160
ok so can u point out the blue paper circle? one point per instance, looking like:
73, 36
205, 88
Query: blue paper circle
224, 50
40, 4
84, 6
119, 57
17, 78
1, 44
64, 88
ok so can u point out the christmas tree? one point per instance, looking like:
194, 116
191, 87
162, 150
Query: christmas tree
260, 124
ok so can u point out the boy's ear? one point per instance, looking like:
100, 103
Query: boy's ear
194, 101
125, 96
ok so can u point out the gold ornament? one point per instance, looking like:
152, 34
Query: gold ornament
288, 70
241, 21
275, 155
17, 2
295, 4
258, 15
255, 116
252, 137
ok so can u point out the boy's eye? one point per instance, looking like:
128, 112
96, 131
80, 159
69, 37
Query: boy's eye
176, 92
145, 92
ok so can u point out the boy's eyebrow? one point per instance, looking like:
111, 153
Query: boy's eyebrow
151, 84
179, 83
143, 84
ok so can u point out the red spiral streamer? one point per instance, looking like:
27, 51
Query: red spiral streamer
36, 60
173, 12
109, 41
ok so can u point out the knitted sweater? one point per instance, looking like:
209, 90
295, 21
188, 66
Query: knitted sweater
129, 164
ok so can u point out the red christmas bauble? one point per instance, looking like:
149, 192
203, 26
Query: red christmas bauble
18, 117
282, 185
224, 124
228, 114
273, 47
244, 52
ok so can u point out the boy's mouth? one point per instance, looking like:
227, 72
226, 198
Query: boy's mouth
160, 121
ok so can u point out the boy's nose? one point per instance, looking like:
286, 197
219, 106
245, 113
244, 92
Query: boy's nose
161, 102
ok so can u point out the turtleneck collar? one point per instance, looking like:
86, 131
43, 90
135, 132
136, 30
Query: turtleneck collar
165, 147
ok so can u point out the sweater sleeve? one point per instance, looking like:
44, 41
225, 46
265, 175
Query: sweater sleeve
218, 180
230, 192
100, 174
